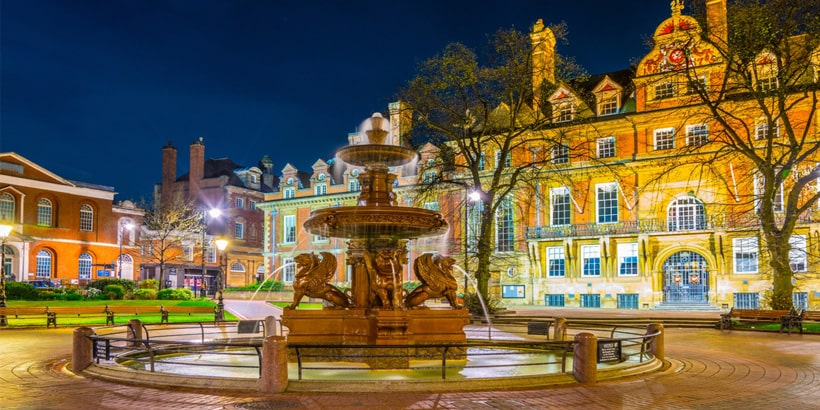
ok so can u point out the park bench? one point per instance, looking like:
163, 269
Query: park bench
539, 327
755, 316
797, 320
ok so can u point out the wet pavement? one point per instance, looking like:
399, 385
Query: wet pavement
709, 369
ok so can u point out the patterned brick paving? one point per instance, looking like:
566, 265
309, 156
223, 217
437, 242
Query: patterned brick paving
709, 370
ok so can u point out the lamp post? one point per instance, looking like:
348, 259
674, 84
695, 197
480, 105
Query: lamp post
5, 231
472, 196
221, 244
214, 213
127, 226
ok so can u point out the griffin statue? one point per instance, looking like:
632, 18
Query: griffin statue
312, 277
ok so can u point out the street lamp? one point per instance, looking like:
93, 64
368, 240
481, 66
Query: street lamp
5, 231
473, 197
221, 244
214, 213
127, 226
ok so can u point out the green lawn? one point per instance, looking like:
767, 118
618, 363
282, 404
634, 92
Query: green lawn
808, 327
302, 306
148, 318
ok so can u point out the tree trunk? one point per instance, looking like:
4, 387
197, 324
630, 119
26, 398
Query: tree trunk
782, 287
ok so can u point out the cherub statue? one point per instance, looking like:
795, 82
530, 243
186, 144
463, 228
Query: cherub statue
437, 280
312, 277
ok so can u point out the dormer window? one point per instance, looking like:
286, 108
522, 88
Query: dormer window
564, 112
563, 105
665, 90
766, 72
608, 105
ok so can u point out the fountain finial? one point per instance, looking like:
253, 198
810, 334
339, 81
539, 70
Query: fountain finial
377, 134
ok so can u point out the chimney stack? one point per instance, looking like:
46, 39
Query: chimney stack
169, 171
716, 24
543, 59
196, 171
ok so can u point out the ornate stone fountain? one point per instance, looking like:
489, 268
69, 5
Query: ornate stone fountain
375, 310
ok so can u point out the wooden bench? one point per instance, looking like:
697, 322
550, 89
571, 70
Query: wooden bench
755, 316
539, 327
804, 316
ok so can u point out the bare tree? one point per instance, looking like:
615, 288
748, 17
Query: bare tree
167, 227
757, 93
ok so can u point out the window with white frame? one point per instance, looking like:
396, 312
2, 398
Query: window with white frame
354, 185
43, 267
686, 214
86, 218
628, 259
767, 81
320, 189
556, 265
608, 105
745, 251
607, 202
319, 238
288, 270
564, 112
560, 211
240, 203
289, 192
504, 229
502, 162
44, 212
482, 161
84, 268
665, 90
697, 134
251, 204
187, 252
696, 85
759, 188
762, 129
239, 230
797, 254
289, 231
429, 177
605, 147
591, 260
560, 154
664, 138
210, 254
6, 207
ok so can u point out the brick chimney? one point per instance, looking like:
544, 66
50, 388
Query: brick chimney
169, 171
543, 59
716, 24
196, 169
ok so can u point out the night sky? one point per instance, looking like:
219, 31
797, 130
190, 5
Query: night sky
93, 89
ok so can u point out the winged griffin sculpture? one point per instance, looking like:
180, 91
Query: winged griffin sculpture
437, 280
312, 277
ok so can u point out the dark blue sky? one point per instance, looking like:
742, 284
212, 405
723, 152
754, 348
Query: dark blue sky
93, 89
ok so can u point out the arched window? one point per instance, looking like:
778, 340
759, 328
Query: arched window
6, 207
86, 218
44, 212
237, 267
85, 266
43, 264
686, 214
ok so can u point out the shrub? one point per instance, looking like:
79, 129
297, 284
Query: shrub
127, 285
94, 294
473, 304
149, 284
145, 294
175, 294
70, 296
267, 285
21, 291
114, 292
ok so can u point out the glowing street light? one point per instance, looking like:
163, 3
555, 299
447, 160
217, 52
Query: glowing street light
5, 231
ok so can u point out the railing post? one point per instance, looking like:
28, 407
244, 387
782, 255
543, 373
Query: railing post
82, 354
135, 331
656, 344
271, 328
585, 360
559, 332
274, 372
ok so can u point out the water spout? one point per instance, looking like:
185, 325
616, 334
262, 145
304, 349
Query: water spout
271, 277
480, 299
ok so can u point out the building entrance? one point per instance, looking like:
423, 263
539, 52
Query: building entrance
685, 278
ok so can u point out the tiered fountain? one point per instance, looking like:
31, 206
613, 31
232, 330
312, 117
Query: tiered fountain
375, 310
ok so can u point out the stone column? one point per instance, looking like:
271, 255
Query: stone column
274, 373
585, 360
656, 345
272, 327
82, 354
559, 330
135, 330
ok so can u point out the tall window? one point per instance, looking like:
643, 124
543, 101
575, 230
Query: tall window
288, 270
591, 260
289, 192
320, 189
210, 254
43, 269
505, 235
251, 204
664, 138
745, 251
289, 234
429, 177
84, 268
777, 199
665, 90
697, 134
482, 161
685, 214
240, 203
504, 162
762, 129
44, 212
354, 185
628, 259
188, 252
560, 210
797, 253
86, 218
560, 154
607, 202
606, 147
239, 230
6, 207
555, 261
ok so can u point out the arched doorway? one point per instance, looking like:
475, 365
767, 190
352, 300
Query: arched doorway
685, 278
